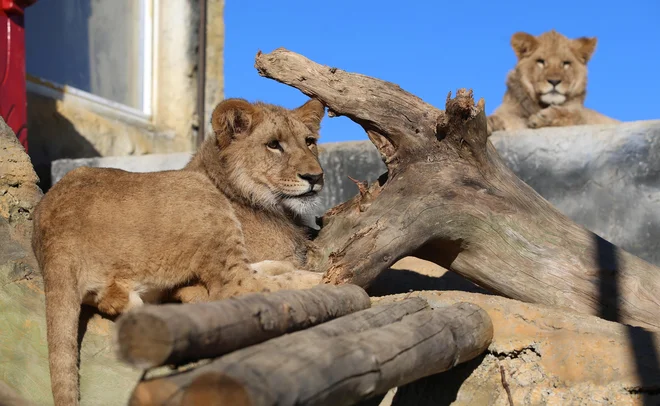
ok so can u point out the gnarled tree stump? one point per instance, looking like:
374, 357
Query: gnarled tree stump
449, 198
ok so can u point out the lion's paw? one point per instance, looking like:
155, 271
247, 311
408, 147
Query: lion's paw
543, 118
295, 279
269, 267
555, 116
299, 279
270, 276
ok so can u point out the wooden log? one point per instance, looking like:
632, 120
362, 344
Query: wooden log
169, 390
343, 369
154, 335
449, 198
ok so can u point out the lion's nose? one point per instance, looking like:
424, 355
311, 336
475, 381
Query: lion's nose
554, 82
313, 178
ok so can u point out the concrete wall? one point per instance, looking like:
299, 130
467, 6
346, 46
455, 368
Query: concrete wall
606, 178
359, 160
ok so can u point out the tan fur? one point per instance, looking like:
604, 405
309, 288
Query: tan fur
531, 100
115, 239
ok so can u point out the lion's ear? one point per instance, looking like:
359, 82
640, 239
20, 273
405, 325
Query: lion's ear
523, 44
311, 114
232, 118
584, 48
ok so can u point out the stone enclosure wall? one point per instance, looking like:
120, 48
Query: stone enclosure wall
606, 178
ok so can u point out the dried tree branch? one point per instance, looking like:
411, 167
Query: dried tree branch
449, 198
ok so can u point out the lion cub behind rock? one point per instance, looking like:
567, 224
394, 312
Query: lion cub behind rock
548, 86
113, 239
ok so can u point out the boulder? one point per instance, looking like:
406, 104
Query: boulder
19, 194
543, 356
23, 349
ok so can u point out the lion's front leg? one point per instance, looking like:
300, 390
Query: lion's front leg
555, 116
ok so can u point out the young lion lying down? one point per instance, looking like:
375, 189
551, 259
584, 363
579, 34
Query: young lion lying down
548, 86
113, 239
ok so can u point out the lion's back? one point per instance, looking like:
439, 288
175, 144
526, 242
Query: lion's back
96, 209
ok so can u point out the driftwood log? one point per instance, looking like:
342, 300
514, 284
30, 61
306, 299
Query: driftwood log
151, 336
448, 197
332, 369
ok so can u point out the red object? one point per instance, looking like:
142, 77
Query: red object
13, 97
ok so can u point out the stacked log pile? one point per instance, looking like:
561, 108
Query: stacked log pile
362, 352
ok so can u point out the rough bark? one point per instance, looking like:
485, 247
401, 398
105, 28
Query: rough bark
346, 369
170, 389
449, 198
175, 334
343, 369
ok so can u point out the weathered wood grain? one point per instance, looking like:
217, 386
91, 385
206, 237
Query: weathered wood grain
449, 198
155, 335
179, 388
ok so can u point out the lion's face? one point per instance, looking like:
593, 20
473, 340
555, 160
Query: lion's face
552, 68
270, 152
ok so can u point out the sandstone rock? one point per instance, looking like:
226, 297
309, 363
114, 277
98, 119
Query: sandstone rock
547, 356
413, 274
23, 349
19, 193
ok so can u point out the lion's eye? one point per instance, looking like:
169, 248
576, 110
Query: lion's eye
274, 144
567, 64
541, 62
310, 141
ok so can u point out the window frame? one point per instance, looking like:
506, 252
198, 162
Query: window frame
147, 66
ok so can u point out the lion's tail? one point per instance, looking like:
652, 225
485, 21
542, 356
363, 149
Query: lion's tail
62, 319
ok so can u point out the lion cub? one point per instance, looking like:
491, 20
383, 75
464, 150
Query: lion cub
113, 239
548, 85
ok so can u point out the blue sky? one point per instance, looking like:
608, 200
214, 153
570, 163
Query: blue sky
431, 47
